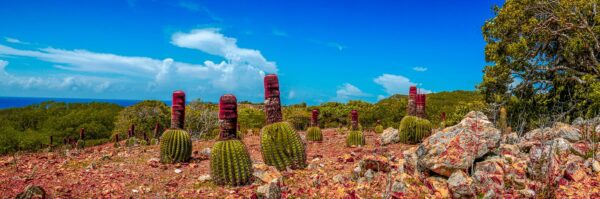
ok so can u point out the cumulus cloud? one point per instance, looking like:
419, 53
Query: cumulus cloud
72, 83
14, 41
420, 69
211, 41
394, 84
348, 91
241, 70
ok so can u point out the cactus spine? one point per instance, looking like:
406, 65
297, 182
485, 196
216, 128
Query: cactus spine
314, 132
356, 136
281, 146
176, 144
413, 129
230, 161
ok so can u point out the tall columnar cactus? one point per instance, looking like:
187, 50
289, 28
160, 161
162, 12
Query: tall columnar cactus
81, 141
280, 144
411, 107
230, 161
116, 145
502, 121
414, 129
355, 137
378, 127
314, 132
176, 144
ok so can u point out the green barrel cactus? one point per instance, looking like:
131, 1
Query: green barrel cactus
175, 146
414, 129
314, 134
230, 163
378, 129
281, 146
355, 138
80, 144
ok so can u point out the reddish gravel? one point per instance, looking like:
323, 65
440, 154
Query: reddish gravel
106, 172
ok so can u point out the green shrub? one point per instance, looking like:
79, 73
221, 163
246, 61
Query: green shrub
80, 144
230, 163
314, 134
414, 129
355, 138
175, 146
282, 146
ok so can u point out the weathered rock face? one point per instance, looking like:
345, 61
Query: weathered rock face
559, 130
461, 185
457, 147
489, 177
390, 136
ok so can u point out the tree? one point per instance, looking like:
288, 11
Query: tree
201, 118
144, 115
543, 57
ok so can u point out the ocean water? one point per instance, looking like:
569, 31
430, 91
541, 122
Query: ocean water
13, 102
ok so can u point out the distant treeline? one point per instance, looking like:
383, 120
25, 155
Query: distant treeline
29, 128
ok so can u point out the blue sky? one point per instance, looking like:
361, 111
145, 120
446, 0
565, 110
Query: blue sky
321, 50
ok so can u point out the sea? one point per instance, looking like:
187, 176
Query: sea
15, 102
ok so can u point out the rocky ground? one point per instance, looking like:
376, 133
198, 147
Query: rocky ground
469, 160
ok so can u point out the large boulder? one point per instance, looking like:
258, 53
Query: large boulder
456, 147
390, 136
545, 160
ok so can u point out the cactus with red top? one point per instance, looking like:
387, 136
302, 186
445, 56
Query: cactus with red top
355, 137
176, 143
314, 132
116, 145
230, 161
280, 144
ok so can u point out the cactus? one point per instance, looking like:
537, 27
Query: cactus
414, 129
502, 123
116, 144
379, 129
153, 141
230, 161
355, 138
314, 134
81, 141
131, 142
281, 146
176, 144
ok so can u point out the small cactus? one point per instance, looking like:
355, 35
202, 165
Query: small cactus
314, 132
116, 144
131, 142
154, 141
502, 123
281, 146
230, 161
379, 129
356, 136
414, 129
176, 144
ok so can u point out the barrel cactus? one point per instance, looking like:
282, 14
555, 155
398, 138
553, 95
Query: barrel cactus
176, 143
281, 146
379, 129
356, 136
175, 146
230, 162
414, 129
314, 132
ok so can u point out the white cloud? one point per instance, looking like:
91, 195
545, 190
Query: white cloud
380, 97
14, 41
71, 83
335, 45
241, 71
292, 94
420, 69
279, 33
394, 84
348, 91
211, 41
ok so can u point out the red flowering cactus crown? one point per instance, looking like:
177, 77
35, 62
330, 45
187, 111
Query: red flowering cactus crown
354, 118
228, 116
272, 100
82, 133
315, 118
178, 110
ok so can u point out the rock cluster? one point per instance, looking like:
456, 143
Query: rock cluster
473, 160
